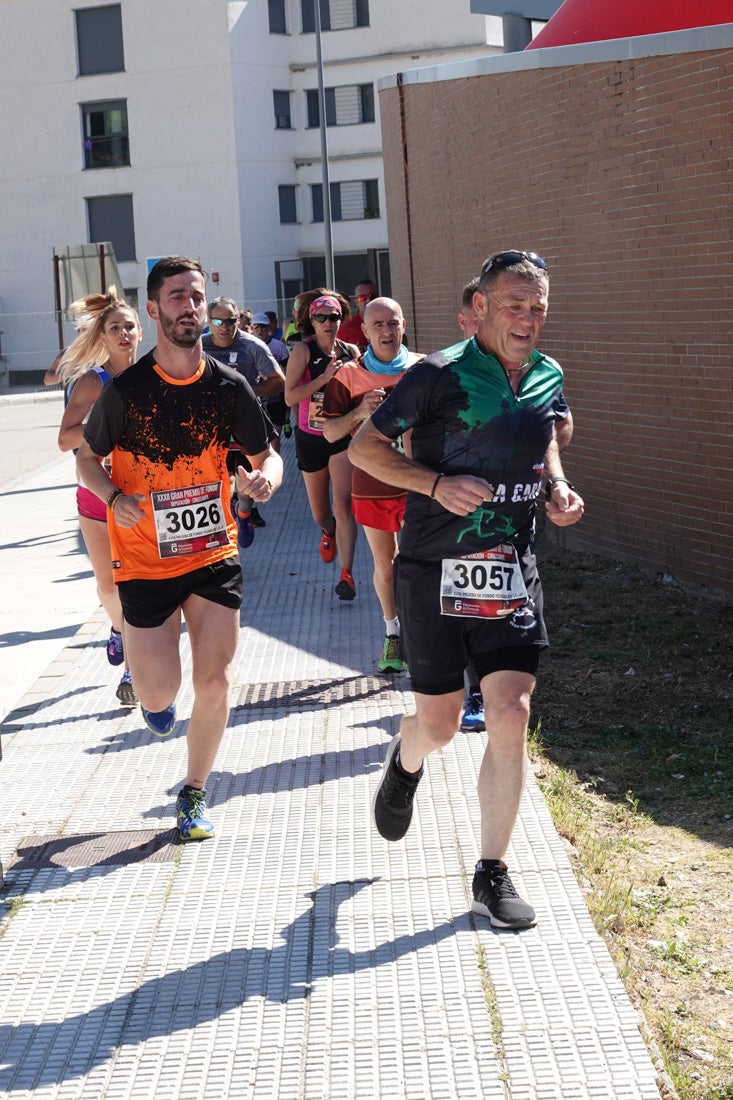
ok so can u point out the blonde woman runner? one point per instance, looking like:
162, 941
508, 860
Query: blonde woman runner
107, 346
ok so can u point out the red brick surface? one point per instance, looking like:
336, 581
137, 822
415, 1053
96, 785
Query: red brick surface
619, 173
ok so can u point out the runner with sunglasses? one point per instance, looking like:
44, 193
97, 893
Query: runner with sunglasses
351, 331
250, 357
325, 466
483, 415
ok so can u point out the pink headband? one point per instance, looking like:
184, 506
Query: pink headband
326, 302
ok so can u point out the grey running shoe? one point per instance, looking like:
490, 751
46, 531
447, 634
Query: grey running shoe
494, 897
395, 793
125, 691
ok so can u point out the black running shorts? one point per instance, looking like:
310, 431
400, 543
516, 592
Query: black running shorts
150, 603
314, 451
438, 647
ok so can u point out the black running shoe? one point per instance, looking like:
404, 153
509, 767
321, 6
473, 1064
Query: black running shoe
257, 520
393, 800
494, 897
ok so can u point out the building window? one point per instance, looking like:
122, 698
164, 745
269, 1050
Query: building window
336, 15
276, 14
351, 200
106, 142
110, 219
346, 105
281, 101
99, 40
286, 199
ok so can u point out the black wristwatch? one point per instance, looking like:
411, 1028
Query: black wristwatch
552, 482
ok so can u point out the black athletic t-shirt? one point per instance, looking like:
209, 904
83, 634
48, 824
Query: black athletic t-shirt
467, 420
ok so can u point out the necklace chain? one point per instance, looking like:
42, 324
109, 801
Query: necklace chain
516, 370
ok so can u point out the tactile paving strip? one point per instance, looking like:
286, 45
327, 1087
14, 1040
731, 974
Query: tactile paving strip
296, 954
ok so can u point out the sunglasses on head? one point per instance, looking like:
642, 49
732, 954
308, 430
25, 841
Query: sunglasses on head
507, 259
321, 318
217, 322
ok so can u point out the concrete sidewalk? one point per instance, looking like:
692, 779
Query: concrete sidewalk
296, 954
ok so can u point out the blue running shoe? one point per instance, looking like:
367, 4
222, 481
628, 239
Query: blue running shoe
245, 523
245, 529
193, 824
160, 722
115, 652
473, 717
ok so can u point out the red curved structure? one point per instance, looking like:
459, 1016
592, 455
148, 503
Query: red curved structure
598, 20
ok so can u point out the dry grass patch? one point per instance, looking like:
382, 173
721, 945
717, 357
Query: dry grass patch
634, 751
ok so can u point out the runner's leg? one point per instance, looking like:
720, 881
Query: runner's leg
316, 487
383, 545
155, 661
504, 766
213, 631
96, 540
339, 466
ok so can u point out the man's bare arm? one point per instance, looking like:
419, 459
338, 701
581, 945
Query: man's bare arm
373, 452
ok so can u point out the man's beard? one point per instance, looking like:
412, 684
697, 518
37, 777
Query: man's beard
180, 336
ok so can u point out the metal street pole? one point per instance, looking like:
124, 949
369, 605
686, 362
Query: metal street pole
326, 185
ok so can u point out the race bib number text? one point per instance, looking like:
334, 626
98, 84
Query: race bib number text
189, 520
488, 585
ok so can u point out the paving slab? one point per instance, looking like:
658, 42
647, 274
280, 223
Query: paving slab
296, 954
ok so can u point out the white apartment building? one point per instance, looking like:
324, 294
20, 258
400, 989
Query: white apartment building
192, 127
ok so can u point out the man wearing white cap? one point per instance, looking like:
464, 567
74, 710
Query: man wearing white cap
275, 406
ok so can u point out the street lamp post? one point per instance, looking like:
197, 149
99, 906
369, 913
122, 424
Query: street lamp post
326, 185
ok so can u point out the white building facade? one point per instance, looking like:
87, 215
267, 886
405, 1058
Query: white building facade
192, 127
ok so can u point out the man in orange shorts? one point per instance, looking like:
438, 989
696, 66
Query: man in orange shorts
350, 398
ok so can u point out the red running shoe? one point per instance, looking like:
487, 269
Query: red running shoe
327, 546
346, 589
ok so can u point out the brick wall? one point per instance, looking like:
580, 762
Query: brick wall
619, 173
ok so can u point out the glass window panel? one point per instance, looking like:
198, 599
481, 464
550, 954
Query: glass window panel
276, 15
307, 16
106, 141
99, 45
282, 110
286, 200
367, 102
314, 114
317, 201
111, 219
371, 198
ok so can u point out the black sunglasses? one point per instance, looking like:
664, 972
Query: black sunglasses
507, 259
217, 322
323, 317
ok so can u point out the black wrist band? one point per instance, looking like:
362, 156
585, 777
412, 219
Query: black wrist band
113, 497
435, 486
